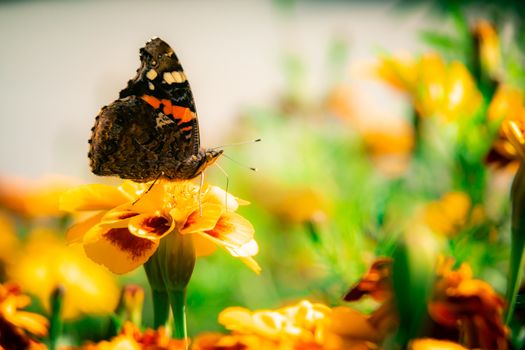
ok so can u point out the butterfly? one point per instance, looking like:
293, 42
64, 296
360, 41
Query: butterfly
152, 130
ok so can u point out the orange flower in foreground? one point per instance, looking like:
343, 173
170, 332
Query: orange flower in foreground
127, 222
470, 306
131, 338
16, 324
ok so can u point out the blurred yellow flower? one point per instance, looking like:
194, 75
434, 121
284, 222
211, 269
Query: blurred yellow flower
46, 262
33, 198
435, 87
128, 222
469, 305
433, 344
488, 47
9, 243
449, 214
304, 325
131, 338
506, 105
14, 323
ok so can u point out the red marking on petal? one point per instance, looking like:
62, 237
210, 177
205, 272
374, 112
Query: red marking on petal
192, 218
222, 226
127, 215
156, 224
127, 242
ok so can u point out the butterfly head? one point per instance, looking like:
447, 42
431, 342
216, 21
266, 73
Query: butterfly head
204, 159
157, 57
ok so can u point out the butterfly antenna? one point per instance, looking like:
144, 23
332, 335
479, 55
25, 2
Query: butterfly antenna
239, 163
238, 143
227, 184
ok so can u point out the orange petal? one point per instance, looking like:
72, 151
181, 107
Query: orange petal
150, 226
92, 197
232, 229
198, 221
118, 249
119, 217
203, 246
33, 323
76, 233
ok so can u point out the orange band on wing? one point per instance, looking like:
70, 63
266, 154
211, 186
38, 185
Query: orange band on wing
182, 114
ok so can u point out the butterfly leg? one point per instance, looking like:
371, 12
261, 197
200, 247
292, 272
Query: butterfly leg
149, 188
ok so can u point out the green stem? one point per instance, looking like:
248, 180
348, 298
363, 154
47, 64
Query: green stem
178, 308
517, 241
161, 308
55, 322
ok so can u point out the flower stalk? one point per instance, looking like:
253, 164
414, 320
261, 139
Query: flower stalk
55, 324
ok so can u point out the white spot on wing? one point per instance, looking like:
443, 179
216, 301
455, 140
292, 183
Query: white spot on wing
151, 86
168, 78
151, 74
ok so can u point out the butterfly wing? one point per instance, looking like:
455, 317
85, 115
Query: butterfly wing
152, 129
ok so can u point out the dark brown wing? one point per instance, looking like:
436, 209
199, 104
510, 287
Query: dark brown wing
131, 140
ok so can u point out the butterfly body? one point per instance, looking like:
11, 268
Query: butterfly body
152, 130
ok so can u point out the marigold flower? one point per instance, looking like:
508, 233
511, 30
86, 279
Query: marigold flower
131, 338
15, 324
435, 88
469, 305
46, 262
128, 222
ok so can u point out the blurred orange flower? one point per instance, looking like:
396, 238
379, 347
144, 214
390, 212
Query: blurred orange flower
33, 199
16, 324
131, 338
470, 306
128, 222
46, 262
506, 105
488, 47
9, 244
435, 87
449, 214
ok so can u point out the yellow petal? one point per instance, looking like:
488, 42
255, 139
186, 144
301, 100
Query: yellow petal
119, 217
151, 226
92, 197
434, 344
76, 233
118, 249
34, 323
203, 246
198, 221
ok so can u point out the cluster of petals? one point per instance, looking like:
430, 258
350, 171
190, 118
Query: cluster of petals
17, 326
126, 223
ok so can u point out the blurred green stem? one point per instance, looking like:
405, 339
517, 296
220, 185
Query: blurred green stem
517, 240
55, 326
178, 308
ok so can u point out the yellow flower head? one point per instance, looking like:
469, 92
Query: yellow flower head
46, 262
128, 222
131, 338
14, 323
435, 87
